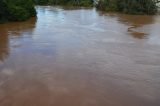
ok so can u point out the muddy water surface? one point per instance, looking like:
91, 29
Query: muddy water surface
80, 58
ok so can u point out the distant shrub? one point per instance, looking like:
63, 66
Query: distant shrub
85, 3
129, 6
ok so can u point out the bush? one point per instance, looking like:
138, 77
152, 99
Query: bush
85, 3
3, 11
16, 10
129, 6
17, 13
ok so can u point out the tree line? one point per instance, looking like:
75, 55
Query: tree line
129, 6
65, 2
19, 10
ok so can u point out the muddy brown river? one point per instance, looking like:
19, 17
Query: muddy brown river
80, 57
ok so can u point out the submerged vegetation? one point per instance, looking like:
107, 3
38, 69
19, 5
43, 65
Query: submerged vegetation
16, 10
129, 6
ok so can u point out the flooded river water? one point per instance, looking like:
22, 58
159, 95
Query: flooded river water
80, 57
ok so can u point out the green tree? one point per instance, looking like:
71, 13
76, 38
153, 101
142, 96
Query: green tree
129, 6
16, 10
85, 3
3, 11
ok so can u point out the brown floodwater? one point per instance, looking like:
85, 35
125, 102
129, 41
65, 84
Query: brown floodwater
80, 57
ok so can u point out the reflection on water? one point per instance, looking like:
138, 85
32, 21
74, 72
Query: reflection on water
3, 46
12, 31
80, 57
139, 35
136, 22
